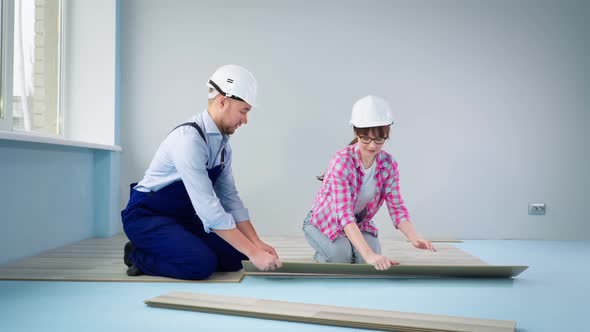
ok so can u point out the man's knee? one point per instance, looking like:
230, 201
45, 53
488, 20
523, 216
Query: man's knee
232, 263
201, 268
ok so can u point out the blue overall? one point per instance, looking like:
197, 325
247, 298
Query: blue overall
168, 236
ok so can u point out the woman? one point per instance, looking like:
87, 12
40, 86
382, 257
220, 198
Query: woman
358, 180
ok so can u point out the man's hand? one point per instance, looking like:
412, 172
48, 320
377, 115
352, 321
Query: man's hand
265, 261
267, 248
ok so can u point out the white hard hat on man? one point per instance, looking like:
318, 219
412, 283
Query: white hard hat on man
234, 82
371, 111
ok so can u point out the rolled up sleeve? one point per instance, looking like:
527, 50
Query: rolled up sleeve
225, 188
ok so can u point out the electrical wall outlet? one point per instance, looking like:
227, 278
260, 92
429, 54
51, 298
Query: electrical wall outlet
536, 208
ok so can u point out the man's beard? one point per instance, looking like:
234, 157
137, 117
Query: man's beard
229, 130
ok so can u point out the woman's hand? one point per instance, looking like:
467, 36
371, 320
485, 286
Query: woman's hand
423, 244
380, 262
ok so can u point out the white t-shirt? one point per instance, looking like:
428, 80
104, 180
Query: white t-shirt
368, 189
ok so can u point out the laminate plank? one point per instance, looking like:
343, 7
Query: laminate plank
386, 320
461, 271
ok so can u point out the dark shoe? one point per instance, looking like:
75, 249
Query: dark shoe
133, 271
126, 252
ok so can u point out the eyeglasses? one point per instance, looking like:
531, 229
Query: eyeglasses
377, 140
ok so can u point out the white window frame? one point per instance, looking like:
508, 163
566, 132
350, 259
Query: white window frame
7, 8
82, 100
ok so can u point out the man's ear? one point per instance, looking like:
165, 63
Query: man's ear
223, 101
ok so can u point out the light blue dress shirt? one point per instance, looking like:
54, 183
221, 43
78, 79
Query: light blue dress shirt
183, 155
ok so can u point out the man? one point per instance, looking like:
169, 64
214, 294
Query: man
185, 219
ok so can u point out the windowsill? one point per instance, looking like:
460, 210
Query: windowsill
40, 138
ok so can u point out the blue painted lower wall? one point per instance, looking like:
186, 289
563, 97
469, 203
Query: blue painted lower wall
53, 195
107, 220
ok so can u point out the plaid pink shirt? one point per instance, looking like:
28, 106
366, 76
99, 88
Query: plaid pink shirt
334, 204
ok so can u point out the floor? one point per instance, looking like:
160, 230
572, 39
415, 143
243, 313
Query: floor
99, 259
552, 295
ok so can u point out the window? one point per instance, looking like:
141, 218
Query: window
61, 87
31, 36
5, 62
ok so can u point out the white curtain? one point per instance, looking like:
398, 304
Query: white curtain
24, 56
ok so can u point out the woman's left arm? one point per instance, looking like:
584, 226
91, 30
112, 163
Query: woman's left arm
398, 212
407, 228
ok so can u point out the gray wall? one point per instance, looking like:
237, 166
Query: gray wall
491, 99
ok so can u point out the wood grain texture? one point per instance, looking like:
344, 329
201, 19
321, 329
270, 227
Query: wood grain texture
100, 259
96, 259
385, 320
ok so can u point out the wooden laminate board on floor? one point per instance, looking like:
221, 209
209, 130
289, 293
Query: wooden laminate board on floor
326, 315
96, 259
100, 259
294, 269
